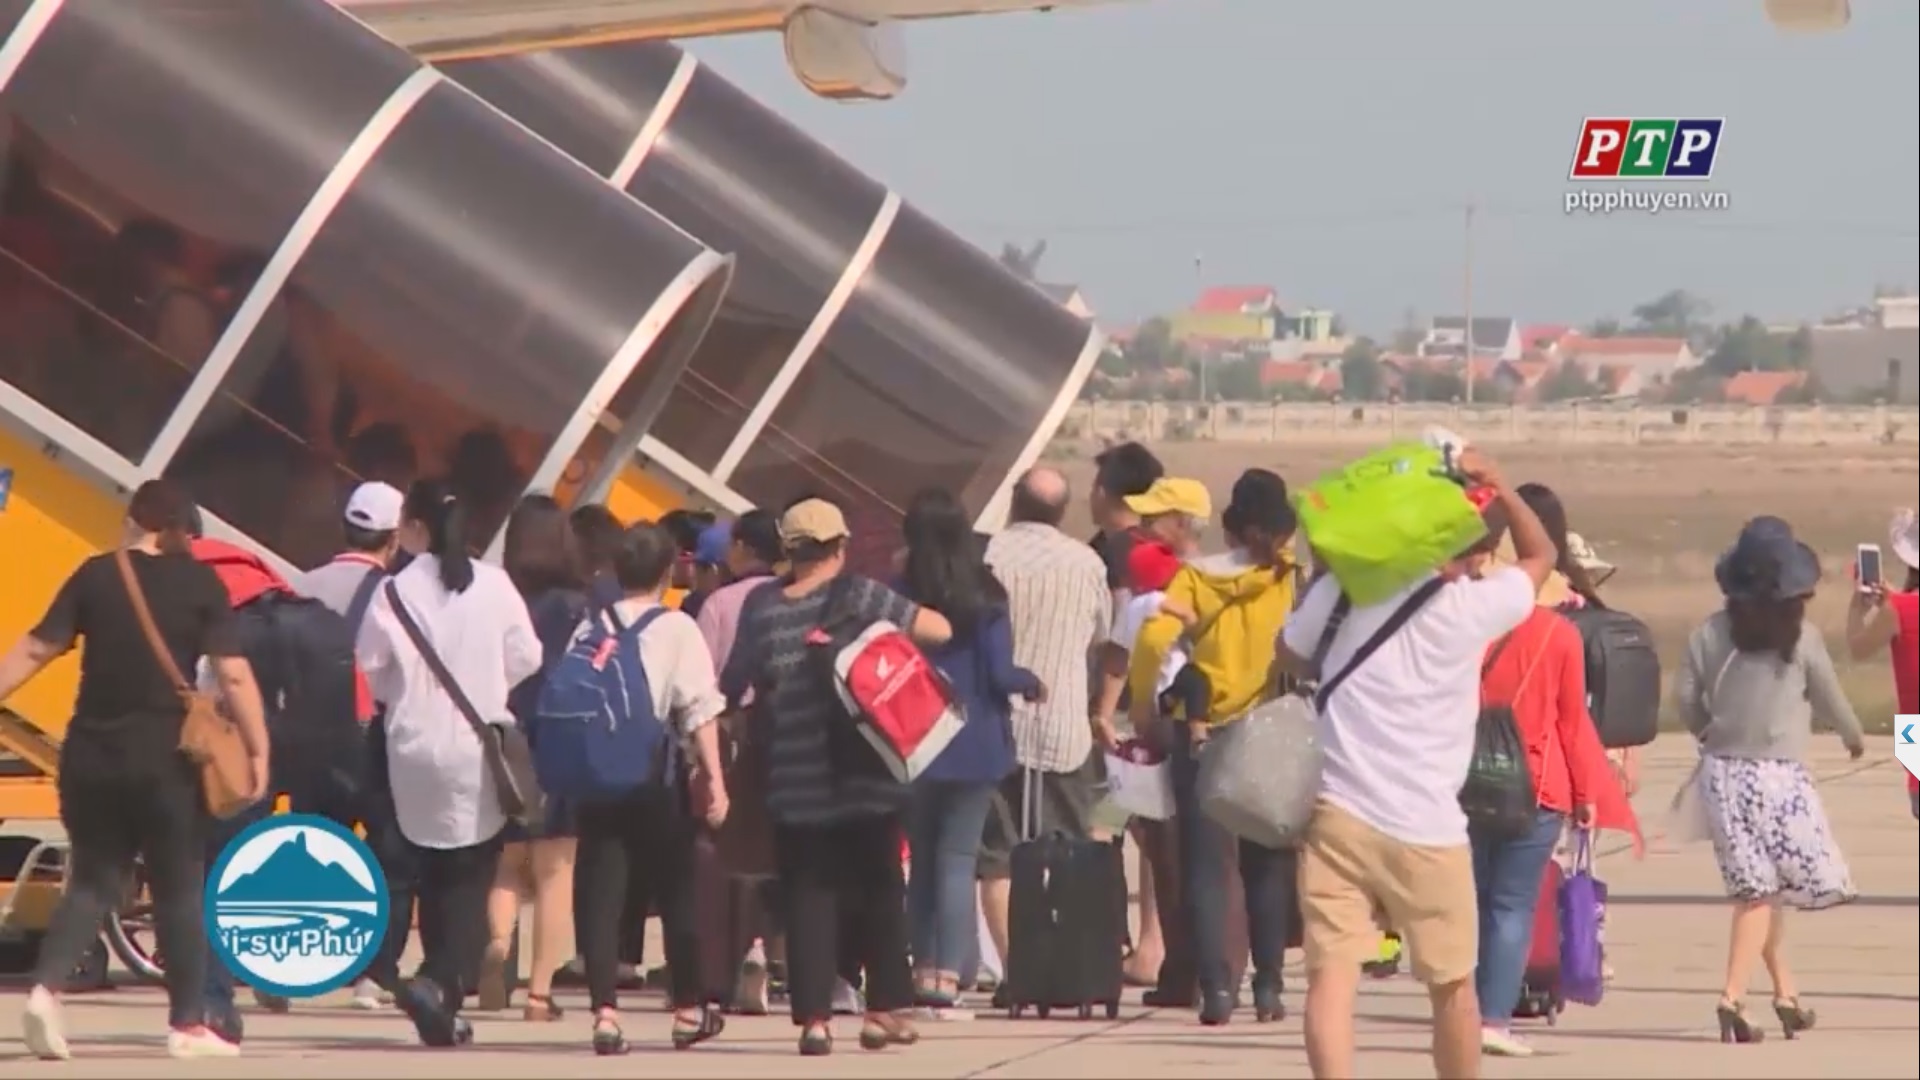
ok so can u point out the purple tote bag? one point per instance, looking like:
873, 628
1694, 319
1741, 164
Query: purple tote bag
1583, 901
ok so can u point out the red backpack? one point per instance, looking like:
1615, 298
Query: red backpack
901, 704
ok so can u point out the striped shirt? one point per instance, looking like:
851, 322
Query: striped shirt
819, 768
1058, 598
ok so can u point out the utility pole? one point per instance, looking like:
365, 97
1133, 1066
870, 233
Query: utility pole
1466, 282
1200, 359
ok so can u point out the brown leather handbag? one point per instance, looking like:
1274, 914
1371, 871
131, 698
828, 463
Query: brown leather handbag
207, 737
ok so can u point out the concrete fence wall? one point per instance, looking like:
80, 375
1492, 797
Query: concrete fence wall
1369, 423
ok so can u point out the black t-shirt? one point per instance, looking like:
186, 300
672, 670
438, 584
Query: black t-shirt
1114, 548
128, 712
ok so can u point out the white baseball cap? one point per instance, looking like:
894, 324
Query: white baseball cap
375, 507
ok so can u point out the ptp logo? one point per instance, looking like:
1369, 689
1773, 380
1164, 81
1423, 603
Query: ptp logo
1906, 741
1613, 148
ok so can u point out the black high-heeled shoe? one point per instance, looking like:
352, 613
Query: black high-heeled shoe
1794, 1018
608, 1039
1734, 1025
686, 1035
816, 1040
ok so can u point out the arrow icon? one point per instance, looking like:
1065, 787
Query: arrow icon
1905, 749
1906, 734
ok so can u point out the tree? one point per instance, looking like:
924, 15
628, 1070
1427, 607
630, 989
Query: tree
1433, 384
1748, 346
1153, 347
1408, 336
1567, 382
1235, 380
1604, 328
1675, 313
1023, 262
1361, 376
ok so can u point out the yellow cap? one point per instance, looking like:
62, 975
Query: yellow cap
1173, 495
812, 519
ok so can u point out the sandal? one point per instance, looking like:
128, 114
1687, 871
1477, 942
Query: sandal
690, 1029
608, 1039
541, 1009
883, 1029
816, 1040
493, 990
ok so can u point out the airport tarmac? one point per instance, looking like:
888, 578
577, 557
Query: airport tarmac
1859, 966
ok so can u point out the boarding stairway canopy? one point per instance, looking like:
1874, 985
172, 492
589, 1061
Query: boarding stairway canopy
261, 249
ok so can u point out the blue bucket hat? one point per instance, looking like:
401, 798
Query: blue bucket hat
714, 542
1767, 563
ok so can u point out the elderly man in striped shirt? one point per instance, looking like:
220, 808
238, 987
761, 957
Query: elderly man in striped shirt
1060, 607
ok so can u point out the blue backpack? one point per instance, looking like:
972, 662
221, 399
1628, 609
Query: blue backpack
595, 734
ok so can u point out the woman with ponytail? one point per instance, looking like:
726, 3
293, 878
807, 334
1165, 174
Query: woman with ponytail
474, 622
1575, 584
126, 790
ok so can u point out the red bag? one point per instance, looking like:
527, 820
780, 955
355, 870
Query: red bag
903, 706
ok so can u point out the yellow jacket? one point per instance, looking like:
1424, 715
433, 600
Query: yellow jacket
1239, 609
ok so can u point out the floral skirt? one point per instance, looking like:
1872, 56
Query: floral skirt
1770, 833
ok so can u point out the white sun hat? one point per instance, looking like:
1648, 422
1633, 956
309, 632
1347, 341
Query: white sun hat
1904, 537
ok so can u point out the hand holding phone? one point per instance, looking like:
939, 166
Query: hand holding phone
1866, 568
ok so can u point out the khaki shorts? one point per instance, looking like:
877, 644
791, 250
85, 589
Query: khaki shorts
1356, 881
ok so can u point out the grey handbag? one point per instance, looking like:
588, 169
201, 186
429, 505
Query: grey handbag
1260, 774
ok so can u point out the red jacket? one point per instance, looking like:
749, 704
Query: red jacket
1541, 673
247, 578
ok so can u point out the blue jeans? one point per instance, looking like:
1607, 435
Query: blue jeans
944, 825
1268, 879
1507, 872
220, 977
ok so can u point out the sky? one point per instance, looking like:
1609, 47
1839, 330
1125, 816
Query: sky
1329, 148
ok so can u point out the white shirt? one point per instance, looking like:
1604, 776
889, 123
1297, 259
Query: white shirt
1399, 731
1126, 631
335, 583
679, 667
443, 792
1058, 602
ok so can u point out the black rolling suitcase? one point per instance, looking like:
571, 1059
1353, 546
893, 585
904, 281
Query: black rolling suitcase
1066, 921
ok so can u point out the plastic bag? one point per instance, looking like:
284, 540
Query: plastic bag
1687, 820
1583, 901
1139, 782
1389, 519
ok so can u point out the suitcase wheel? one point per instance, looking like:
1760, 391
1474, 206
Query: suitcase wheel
1043, 1011
1113, 1010
1086, 1012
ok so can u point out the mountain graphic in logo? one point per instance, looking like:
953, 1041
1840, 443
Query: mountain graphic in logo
292, 874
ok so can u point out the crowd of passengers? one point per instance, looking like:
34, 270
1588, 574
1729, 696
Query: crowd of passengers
778, 871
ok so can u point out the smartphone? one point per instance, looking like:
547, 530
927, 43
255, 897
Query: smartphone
1866, 567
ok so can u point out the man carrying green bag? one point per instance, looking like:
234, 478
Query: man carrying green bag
1389, 519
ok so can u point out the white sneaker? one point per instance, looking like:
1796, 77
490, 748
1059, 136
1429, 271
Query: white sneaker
1503, 1043
751, 995
41, 1028
846, 1000
958, 1012
368, 997
199, 1042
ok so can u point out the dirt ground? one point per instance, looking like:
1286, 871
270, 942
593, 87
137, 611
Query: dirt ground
1661, 514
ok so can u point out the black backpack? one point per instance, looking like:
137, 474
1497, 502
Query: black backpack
1623, 676
1498, 797
302, 656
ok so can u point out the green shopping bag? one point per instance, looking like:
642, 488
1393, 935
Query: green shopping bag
1388, 520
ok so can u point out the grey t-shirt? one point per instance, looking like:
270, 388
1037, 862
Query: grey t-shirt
1756, 705
818, 768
